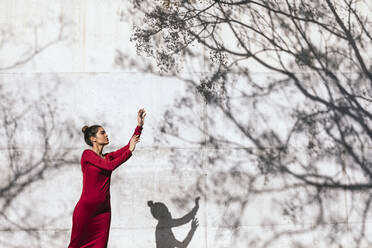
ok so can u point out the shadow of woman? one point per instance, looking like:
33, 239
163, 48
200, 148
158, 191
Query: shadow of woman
163, 235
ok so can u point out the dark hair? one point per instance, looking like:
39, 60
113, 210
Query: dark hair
90, 132
158, 209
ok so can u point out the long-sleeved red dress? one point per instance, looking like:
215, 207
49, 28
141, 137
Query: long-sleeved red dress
92, 214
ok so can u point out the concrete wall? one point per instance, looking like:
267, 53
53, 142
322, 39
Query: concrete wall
58, 74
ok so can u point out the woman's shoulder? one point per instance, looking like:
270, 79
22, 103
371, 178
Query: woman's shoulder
90, 152
87, 152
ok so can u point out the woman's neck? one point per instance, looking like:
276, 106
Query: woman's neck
98, 149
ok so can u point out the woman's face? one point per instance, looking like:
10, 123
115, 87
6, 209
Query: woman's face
101, 137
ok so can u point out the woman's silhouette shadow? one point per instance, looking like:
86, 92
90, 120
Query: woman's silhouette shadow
163, 234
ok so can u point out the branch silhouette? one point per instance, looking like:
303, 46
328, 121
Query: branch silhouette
318, 84
29, 128
36, 48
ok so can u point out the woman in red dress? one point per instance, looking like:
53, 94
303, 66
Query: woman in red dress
92, 214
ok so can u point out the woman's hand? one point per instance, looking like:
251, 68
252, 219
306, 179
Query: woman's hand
133, 141
141, 116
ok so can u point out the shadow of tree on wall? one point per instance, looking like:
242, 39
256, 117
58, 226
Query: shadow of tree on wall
34, 138
303, 127
164, 236
32, 145
26, 52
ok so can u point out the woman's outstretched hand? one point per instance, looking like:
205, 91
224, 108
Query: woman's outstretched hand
133, 141
141, 116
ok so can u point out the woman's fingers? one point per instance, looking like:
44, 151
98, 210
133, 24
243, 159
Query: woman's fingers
141, 114
141, 111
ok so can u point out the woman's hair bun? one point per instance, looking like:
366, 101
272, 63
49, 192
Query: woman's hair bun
150, 203
84, 128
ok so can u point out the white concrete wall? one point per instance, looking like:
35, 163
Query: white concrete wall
36, 55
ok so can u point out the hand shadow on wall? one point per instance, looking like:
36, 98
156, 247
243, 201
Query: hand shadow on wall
163, 235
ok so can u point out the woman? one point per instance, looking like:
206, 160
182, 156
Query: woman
92, 214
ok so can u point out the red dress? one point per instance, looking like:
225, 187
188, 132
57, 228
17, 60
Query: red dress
92, 214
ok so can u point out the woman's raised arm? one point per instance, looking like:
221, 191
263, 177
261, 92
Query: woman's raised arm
115, 154
92, 158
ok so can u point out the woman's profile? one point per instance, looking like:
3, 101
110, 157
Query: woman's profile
92, 214
163, 235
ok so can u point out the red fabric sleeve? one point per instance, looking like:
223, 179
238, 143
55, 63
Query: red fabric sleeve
92, 158
115, 154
